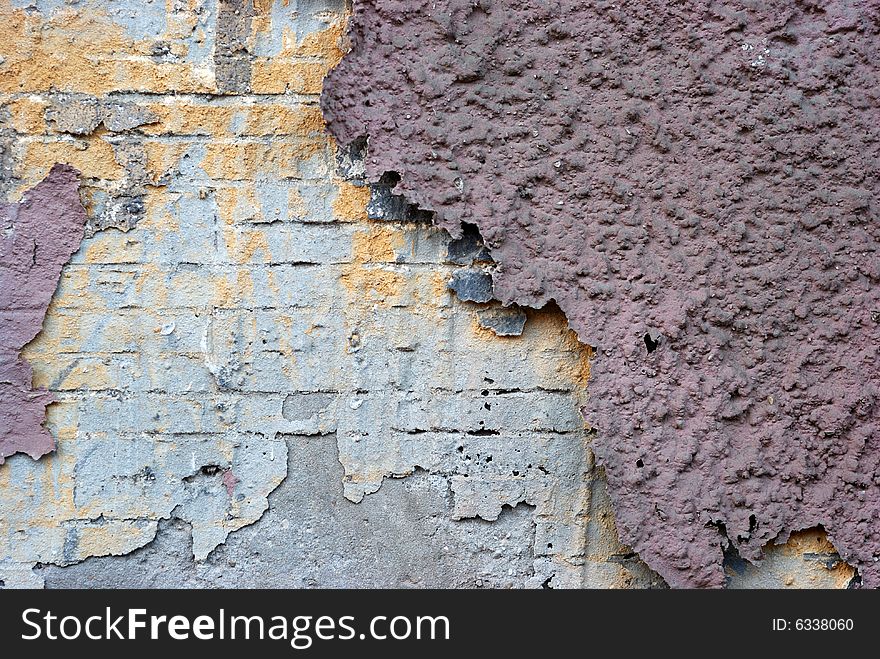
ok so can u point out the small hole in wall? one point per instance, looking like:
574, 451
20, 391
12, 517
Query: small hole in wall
651, 343
460, 449
639, 463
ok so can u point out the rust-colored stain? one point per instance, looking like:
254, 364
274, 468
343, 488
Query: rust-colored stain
351, 202
37, 54
370, 276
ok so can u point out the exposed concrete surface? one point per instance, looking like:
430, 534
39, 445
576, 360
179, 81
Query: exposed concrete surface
696, 188
403, 536
504, 321
807, 560
263, 378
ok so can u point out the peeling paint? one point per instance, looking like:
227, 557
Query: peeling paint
37, 237
472, 285
271, 338
504, 321
696, 188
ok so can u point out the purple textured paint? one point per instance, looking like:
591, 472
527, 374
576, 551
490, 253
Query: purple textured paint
696, 186
37, 237
230, 480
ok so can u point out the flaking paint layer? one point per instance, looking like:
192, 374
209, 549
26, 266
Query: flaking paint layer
38, 236
696, 187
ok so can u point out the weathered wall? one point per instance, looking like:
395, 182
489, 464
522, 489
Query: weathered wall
696, 187
261, 374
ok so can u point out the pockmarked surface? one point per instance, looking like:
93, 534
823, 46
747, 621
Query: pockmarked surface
696, 187
37, 237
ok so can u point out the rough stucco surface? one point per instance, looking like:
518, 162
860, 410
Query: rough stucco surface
38, 235
263, 374
267, 340
696, 187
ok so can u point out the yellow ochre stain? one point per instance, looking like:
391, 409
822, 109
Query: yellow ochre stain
369, 277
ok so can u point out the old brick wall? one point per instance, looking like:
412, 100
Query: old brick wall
262, 376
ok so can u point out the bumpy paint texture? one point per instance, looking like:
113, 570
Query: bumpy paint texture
37, 237
696, 186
